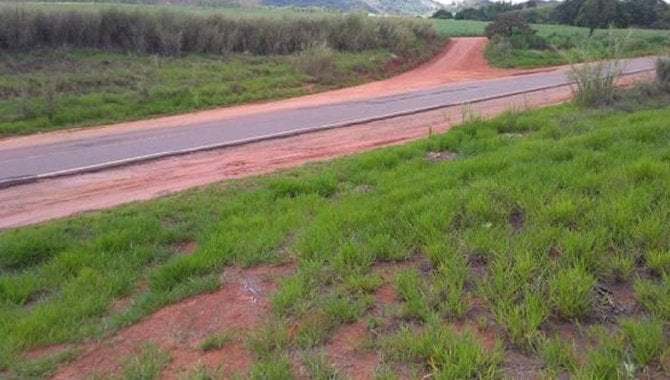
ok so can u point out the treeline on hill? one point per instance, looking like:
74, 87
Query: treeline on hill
173, 33
589, 13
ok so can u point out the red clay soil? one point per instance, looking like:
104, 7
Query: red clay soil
344, 353
179, 329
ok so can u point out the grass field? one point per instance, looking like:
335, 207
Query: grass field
546, 230
565, 39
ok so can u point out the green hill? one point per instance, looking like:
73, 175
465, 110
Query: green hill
373, 6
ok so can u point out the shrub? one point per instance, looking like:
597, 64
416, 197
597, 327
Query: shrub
317, 61
595, 81
527, 41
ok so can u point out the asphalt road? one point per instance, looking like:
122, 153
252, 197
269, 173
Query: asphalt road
26, 164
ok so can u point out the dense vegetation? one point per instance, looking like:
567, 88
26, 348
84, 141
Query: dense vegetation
546, 230
174, 33
559, 44
406, 7
593, 14
72, 66
564, 45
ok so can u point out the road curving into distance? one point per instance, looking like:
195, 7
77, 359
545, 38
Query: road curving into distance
24, 163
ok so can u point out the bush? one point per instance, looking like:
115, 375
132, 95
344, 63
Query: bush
595, 82
527, 41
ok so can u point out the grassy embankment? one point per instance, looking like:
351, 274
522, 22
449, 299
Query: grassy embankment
563, 41
545, 229
64, 66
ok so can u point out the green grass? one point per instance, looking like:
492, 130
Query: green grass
569, 43
459, 28
525, 223
566, 39
217, 342
61, 89
147, 365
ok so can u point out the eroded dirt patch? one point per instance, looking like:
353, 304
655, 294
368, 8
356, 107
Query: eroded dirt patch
346, 353
179, 329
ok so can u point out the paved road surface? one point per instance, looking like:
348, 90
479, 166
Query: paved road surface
24, 164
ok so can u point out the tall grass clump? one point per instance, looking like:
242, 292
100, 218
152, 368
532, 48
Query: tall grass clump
173, 33
595, 81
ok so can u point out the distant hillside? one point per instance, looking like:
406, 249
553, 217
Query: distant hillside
373, 6
394, 7
464, 4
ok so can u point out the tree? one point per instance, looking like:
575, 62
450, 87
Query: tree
596, 14
644, 13
566, 12
508, 24
443, 14
471, 14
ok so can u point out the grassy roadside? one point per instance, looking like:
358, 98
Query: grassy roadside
546, 229
52, 90
566, 43
566, 40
